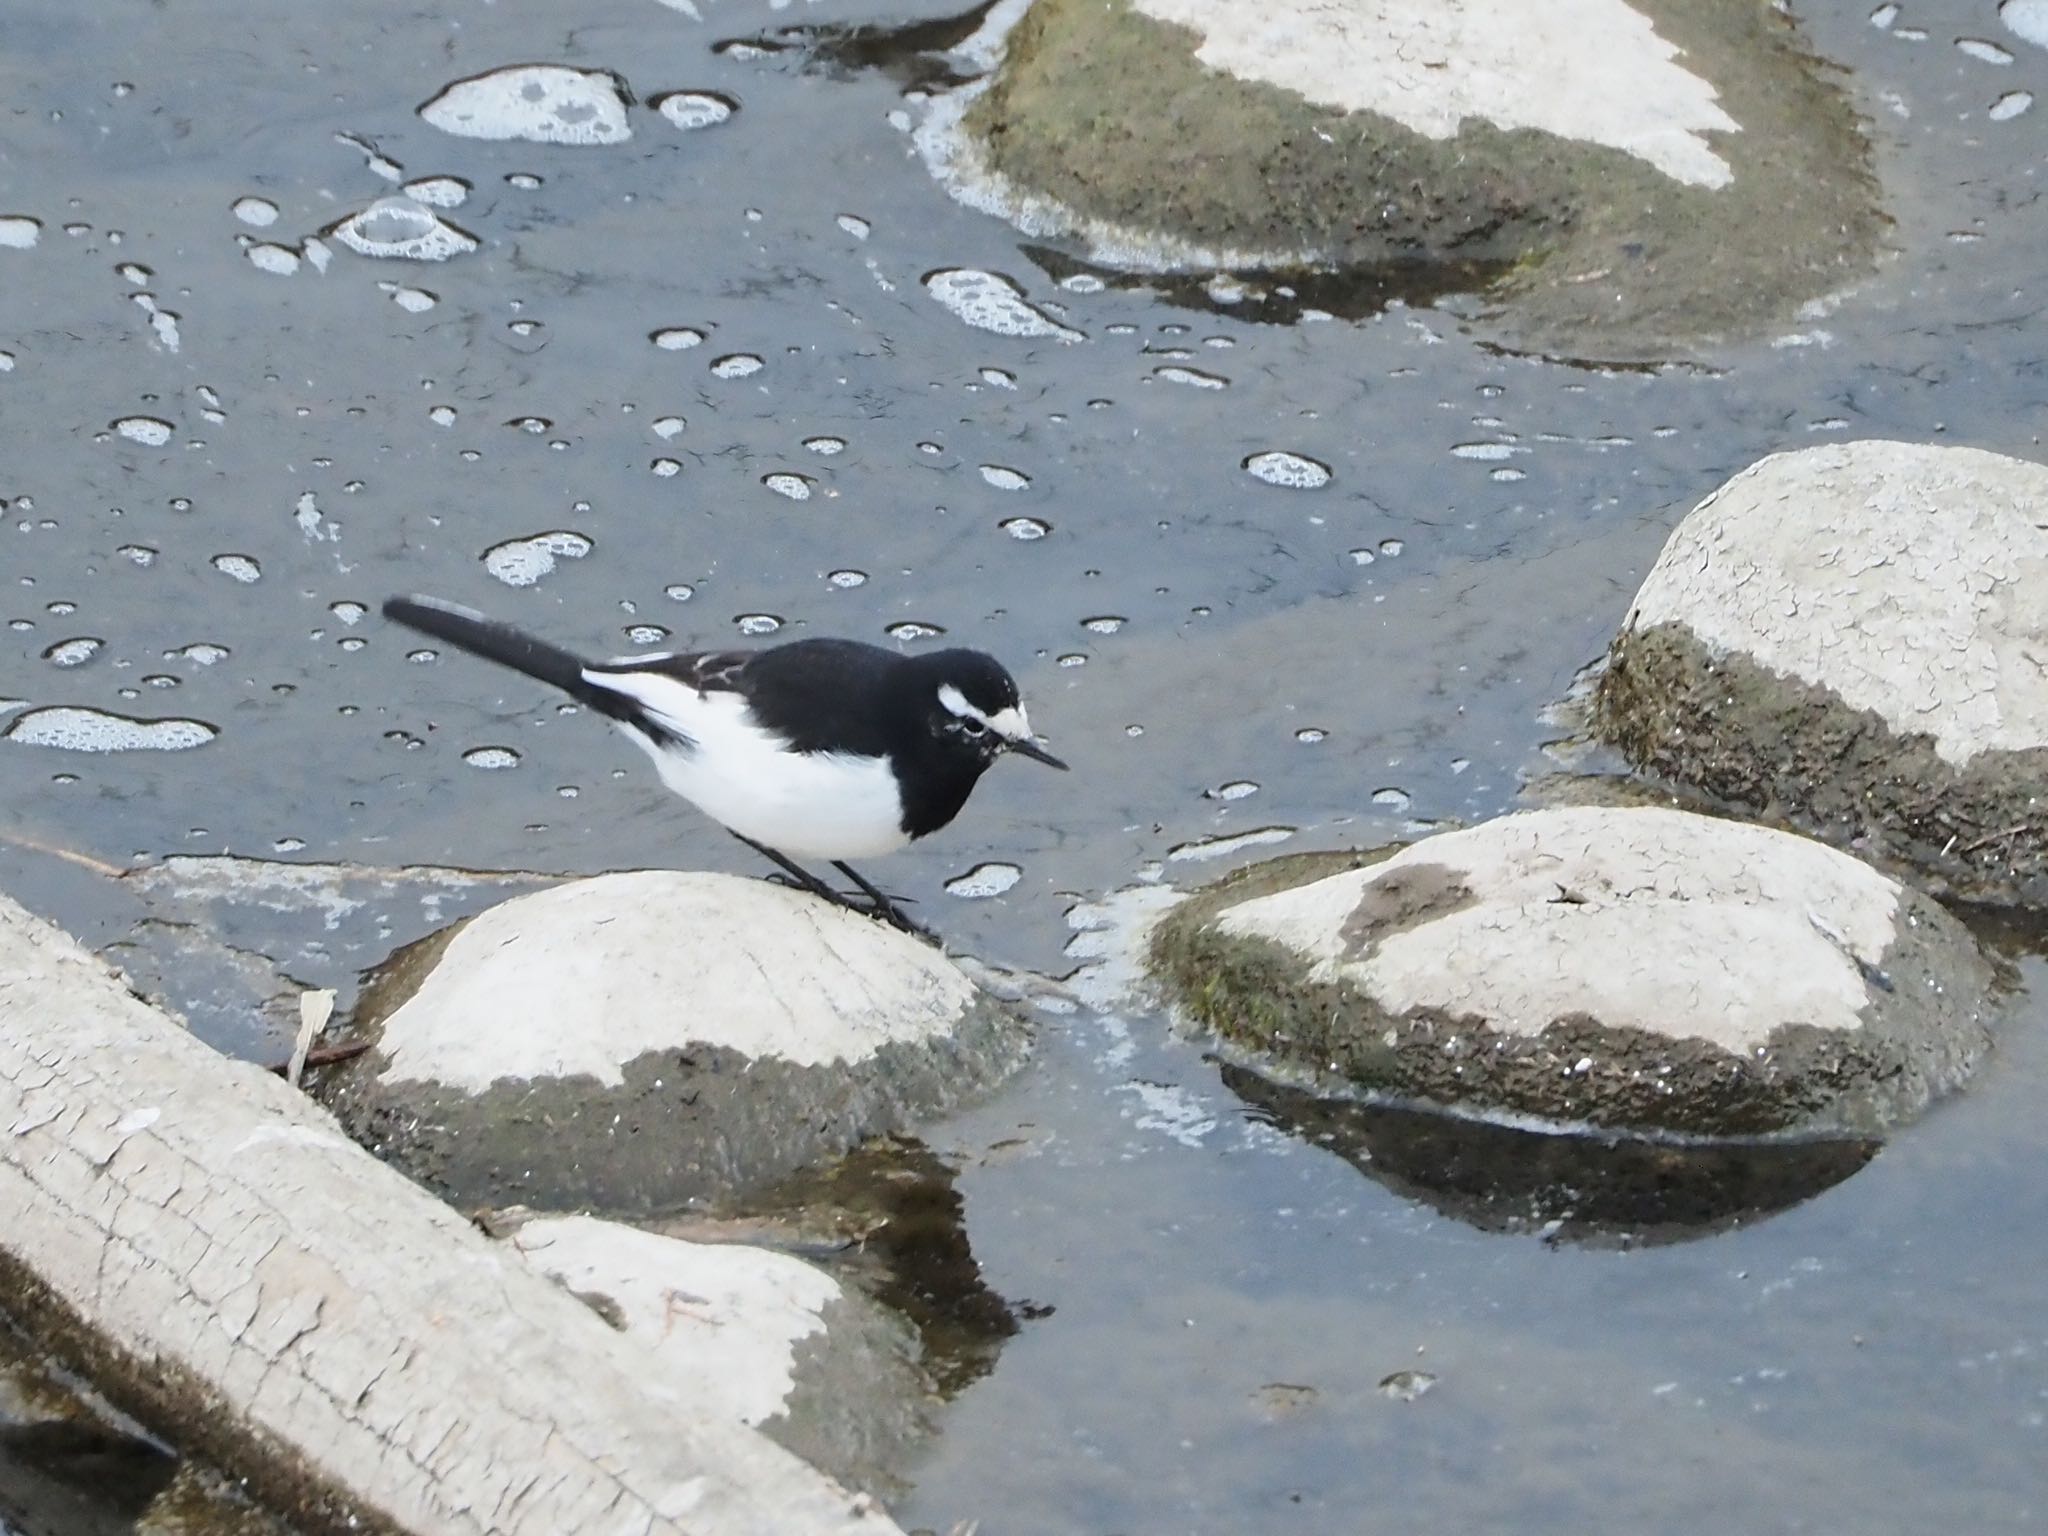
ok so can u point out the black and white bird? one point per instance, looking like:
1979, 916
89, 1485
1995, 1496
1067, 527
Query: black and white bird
819, 749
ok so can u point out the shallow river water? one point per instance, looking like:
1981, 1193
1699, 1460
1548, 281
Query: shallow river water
698, 386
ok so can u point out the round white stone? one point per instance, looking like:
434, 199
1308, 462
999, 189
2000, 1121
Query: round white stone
584, 978
1910, 580
1676, 924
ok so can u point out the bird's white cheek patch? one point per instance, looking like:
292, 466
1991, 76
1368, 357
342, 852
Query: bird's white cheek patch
1010, 723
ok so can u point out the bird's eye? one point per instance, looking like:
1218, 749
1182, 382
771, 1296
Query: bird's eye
973, 727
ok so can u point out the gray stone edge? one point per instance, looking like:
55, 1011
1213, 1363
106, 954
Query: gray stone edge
1782, 746
678, 1132
1804, 1081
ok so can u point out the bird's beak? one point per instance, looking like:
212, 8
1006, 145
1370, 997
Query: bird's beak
1036, 753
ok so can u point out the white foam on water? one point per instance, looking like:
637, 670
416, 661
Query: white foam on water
146, 430
691, 110
438, 191
984, 881
399, 228
990, 302
238, 568
541, 103
1292, 470
522, 562
71, 729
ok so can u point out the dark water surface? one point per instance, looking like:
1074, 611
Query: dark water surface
1374, 656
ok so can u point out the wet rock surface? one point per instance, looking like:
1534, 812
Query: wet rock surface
70, 1465
1635, 970
640, 1042
1871, 1356
760, 1337
1636, 178
1852, 636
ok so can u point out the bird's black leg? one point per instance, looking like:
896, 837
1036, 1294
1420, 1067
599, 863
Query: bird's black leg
797, 872
885, 906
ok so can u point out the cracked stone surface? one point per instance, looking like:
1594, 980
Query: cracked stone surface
1430, 66
759, 1337
1857, 635
219, 1257
1635, 969
642, 1041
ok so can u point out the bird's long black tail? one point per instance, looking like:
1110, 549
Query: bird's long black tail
468, 630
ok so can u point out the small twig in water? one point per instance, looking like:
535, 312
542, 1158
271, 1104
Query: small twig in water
324, 1056
1995, 837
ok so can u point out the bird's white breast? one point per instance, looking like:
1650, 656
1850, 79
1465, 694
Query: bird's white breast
818, 805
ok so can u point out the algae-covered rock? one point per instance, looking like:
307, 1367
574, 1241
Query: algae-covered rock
1856, 637
1631, 969
640, 1042
1645, 175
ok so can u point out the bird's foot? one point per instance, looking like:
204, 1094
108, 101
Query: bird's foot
883, 906
890, 913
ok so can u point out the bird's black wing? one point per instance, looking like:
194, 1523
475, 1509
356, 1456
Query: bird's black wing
818, 695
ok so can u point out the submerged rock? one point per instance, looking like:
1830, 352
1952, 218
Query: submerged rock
1856, 636
1608, 1189
1634, 970
638, 1042
1646, 175
755, 1336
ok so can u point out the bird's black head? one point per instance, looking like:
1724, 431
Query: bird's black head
971, 709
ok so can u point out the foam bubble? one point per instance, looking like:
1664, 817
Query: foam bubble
2026, 20
1292, 470
736, 365
19, 232
1025, 528
690, 110
75, 652
522, 562
256, 212
277, 260
1984, 52
911, 629
1221, 847
71, 729
398, 227
238, 568
541, 103
146, 430
1004, 478
491, 757
677, 338
984, 881
438, 191
795, 487
988, 301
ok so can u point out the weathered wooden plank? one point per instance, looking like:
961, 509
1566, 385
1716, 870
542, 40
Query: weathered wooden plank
226, 1263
